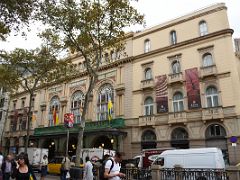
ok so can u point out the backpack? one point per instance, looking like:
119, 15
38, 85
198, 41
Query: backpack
102, 170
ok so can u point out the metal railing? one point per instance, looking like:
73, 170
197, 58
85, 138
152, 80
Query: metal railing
193, 174
136, 174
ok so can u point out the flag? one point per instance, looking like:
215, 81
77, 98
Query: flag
33, 117
55, 117
110, 109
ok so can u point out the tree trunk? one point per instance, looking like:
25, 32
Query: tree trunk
81, 132
29, 114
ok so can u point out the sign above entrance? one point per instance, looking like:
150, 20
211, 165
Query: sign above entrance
68, 120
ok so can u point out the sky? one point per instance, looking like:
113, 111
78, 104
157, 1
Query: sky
155, 11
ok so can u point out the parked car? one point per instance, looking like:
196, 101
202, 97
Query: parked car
54, 165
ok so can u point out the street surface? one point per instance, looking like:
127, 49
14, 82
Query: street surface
48, 177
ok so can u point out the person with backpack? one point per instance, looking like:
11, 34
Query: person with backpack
112, 168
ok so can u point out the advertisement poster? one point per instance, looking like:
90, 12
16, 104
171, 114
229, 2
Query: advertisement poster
193, 89
161, 94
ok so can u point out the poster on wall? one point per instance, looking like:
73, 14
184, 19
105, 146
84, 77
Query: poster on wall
161, 94
193, 88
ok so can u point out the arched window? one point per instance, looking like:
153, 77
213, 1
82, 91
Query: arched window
207, 60
203, 28
173, 37
178, 102
77, 104
148, 73
105, 102
148, 106
148, 136
215, 130
147, 46
149, 140
179, 134
212, 97
54, 111
176, 67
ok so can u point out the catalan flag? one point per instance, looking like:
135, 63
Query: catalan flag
110, 109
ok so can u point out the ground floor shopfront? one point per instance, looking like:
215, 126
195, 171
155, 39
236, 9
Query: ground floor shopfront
131, 136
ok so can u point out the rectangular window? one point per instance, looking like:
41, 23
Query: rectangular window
215, 101
209, 102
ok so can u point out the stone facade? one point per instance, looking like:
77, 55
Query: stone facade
197, 104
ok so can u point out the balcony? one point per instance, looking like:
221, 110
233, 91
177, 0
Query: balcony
212, 113
177, 117
147, 84
174, 78
146, 120
89, 126
208, 71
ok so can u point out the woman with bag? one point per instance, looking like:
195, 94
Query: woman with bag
65, 168
23, 171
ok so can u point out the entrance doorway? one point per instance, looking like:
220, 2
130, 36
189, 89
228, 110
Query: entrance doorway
72, 146
103, 142
50, 145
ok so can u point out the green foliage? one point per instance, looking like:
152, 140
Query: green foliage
28, 69
13, 13
89, 27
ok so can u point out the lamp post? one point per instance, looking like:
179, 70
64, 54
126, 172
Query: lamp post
6, 114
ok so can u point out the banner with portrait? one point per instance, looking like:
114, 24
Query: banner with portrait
161, 94
193, 88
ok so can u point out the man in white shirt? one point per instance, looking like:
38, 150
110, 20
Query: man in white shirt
1, 159
112, 168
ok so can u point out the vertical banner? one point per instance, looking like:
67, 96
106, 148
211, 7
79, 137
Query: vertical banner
161, 94
193, 89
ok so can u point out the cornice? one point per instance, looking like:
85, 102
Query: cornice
184, 43
179, 22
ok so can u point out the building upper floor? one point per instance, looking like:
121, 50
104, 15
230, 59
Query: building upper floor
181, 65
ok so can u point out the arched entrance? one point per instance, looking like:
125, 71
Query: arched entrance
103, 142
216, 137
72, 146
50, 145
179, 138
148, 140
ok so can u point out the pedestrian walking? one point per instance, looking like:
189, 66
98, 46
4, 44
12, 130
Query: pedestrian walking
112, 168
23, 171
88, 170
65, 168
8, 166
44, 167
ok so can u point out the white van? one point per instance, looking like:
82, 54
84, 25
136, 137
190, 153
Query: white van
191, 158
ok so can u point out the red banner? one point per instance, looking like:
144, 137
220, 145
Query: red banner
161, 94
193, 89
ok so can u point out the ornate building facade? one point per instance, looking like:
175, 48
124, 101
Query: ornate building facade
177, 85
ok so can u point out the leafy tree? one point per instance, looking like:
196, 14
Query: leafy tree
13, 13
89, 27
26, 70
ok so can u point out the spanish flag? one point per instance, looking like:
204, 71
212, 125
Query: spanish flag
55, 117
110, 109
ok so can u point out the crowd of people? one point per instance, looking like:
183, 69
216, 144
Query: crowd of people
19, 168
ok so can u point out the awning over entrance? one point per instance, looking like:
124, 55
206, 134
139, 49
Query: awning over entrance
101, 127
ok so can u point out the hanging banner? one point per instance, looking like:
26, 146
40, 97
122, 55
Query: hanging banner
69, 120
161, 94
193, 89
